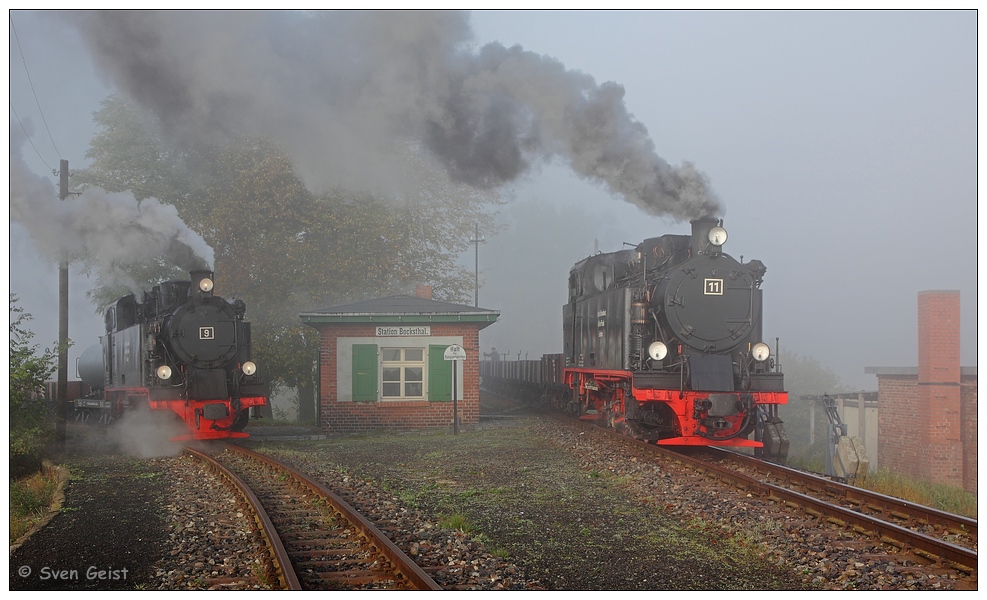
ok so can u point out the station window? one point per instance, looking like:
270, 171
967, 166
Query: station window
402, 373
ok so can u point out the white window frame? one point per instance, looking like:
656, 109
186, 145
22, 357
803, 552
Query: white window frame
403, 364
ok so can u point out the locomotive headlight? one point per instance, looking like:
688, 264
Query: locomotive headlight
760, 352
657, 350
205, 284
163, 372
249, 368
717, 236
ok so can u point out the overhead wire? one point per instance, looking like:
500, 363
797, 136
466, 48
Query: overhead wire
29, 140
35, 94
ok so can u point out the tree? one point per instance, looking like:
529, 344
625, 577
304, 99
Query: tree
805, 376
128, 153
30, 428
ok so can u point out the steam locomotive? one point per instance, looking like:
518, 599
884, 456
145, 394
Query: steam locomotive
178, 350
664, 342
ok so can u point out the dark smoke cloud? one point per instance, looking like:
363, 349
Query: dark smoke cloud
342, 91
105, 231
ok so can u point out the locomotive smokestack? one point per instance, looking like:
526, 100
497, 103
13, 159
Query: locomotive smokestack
700, 234
202, 284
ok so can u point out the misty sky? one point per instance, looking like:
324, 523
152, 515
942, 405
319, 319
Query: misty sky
842, 147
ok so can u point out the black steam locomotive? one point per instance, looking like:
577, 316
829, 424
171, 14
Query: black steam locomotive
179, 349
664, 342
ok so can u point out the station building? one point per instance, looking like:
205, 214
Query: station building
382, 363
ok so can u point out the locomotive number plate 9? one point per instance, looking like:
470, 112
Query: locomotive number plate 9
206, 333
714, 287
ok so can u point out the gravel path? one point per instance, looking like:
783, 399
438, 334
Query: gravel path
515, 504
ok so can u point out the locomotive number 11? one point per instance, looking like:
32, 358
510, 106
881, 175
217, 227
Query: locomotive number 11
714, 287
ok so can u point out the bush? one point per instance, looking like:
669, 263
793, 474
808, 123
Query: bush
30, 429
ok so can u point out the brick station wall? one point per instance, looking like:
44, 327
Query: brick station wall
353, 417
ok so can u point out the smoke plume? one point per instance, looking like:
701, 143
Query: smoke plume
340, 92
105, 231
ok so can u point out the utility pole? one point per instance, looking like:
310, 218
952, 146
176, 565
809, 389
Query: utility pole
63, 319
476, 267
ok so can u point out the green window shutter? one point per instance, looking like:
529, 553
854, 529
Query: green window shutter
439, 375
364, 372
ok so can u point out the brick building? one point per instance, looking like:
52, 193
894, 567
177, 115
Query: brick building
382, 366
928, 415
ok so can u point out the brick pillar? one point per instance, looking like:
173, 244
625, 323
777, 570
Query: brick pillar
939, 385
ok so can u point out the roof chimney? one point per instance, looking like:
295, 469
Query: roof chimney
424, 291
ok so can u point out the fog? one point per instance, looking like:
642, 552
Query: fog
840, 148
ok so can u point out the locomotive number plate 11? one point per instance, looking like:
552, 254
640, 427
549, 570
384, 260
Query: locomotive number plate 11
714, 287
206, 333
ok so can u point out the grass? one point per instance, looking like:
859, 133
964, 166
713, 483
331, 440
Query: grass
456, 521
935, 495
947, 498
30, 499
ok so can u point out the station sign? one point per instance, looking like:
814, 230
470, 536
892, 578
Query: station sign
413, 331
454, 352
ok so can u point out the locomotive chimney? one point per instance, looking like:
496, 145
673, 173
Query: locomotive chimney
700, 235
202, 284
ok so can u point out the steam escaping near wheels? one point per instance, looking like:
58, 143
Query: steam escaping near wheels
147, 434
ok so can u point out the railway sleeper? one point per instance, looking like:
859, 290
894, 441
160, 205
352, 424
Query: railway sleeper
314, 537
343, 565
326, 553
836, 521
361, 577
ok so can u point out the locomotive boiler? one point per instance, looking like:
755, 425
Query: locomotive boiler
179, 350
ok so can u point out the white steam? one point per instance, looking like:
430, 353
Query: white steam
147, 433
105, 231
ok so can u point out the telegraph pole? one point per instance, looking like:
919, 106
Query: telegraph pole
476, 267
63, 319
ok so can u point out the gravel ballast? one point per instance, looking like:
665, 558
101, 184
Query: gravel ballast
514, 504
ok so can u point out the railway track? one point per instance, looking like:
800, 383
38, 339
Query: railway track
937, 538
316, 540
954, 529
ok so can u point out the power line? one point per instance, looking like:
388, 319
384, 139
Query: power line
28, 71
29, 140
